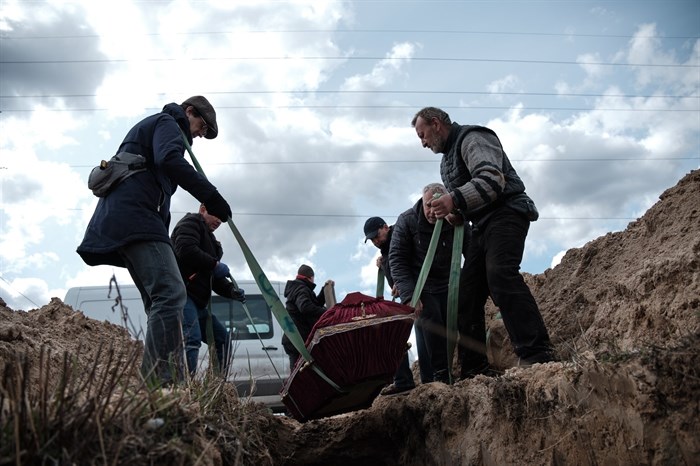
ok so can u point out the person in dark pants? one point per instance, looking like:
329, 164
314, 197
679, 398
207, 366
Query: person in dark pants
198, 255
485, 189
379, 233
129, 227
413, 232
304, 307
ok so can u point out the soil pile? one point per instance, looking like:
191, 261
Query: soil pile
623, 312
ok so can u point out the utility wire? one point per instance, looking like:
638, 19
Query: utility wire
19, 292
374, 107
113, 61
342, 92
357, 31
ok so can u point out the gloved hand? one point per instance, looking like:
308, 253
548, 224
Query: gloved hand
221, 270
238, 295
217, 206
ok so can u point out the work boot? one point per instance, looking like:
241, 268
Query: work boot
441, 376
483, 368
537, 358
393, 389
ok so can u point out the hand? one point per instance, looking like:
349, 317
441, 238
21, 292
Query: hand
419, 308
455, 219
395, 291
329, 283
221, 270
442, 206
217, 206
379, 261
238, 295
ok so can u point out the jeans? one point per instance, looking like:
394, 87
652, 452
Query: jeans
492, 267
153, 268
194, 330
404, 374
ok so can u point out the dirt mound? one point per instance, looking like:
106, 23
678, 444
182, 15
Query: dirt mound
623, 312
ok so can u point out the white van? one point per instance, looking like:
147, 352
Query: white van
259, 364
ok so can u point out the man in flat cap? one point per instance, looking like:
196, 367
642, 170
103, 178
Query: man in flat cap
129, 227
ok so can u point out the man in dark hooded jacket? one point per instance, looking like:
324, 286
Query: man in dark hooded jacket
129, 227
199, 254
304, 307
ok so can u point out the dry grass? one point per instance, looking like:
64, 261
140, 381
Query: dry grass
102, 417
103, 412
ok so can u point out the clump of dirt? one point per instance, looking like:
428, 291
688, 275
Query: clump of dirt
623, 312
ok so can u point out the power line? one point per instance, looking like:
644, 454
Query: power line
405, 92
376, 107
19, 292
364, 216
332, 58
359, 31
435, 160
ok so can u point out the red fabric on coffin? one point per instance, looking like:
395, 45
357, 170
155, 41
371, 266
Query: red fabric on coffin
358, 344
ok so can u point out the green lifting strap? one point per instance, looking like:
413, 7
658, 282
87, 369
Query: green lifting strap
267, 291
380, 283
427, 263
453, 296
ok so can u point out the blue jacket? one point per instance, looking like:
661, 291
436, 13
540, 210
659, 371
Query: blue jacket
139, 208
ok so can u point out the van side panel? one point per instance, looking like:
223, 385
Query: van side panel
259, 364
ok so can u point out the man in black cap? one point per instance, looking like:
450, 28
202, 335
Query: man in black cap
304, 307
129, 227
377, 230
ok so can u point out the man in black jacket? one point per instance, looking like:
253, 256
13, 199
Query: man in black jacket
304, 307
199, 256
409, 247
379, 232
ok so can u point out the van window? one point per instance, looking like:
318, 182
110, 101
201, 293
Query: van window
234, 318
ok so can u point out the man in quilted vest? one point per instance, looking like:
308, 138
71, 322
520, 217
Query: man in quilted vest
485, 189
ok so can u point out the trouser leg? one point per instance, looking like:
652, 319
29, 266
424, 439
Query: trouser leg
424, 366
504, 237
192, 334
404, 376
473, 292
153, 267
434, 332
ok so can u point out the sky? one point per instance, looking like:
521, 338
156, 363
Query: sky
597, 104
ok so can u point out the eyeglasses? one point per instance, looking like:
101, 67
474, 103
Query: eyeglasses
205, 126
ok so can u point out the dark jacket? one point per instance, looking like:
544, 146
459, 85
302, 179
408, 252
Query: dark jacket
409, 246
197, 251
138, 209
304, 308
386, 265
478, 174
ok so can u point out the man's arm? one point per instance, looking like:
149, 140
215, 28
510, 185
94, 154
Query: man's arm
400, 255
307, 304
186, 243
483, 155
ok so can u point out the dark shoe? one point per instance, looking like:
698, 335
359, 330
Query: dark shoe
393, 389
483, 368
538, 358
441, 376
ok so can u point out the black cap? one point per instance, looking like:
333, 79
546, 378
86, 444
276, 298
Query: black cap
305, 271
204, 108
372, 226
